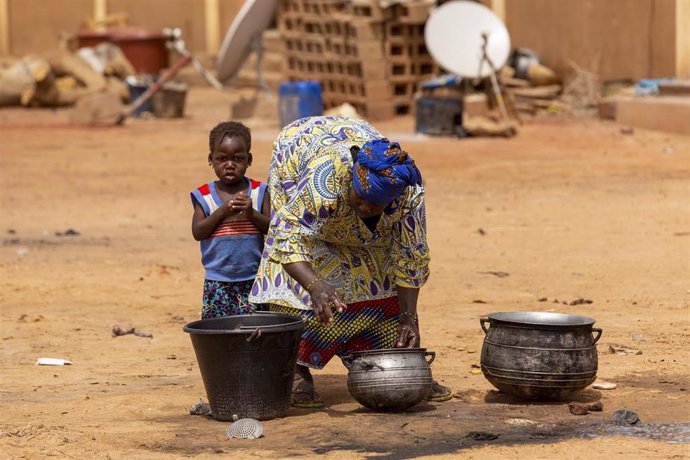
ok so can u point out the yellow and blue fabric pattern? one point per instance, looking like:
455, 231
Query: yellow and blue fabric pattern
311, 175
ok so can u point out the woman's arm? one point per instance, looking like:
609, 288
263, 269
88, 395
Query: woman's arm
323, 296
295, 226
409, 249
408, 331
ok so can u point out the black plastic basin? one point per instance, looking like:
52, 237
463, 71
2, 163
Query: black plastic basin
247, 363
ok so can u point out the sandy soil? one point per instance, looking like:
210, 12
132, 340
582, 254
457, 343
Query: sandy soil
569, 209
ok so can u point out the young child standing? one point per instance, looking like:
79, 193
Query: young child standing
231, 216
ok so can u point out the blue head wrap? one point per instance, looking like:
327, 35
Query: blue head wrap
383, 171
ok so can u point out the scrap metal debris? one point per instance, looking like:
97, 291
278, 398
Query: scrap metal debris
584, 409
482, 436
200, 408
118, 331
499, 274
623, 350
625, 417
68, 232
580, 301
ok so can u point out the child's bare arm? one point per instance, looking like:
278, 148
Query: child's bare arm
202, 226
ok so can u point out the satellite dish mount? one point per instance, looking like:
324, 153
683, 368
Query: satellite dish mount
256, 47
469, 40
492, 76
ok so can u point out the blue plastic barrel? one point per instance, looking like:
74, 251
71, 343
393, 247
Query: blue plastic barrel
299, 99
137, 87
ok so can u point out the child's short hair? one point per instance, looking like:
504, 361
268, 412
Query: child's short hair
229, 129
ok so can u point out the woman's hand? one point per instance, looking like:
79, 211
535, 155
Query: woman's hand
324, 299
408, 332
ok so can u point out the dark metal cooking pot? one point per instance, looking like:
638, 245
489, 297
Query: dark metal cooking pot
539, 355
389, 380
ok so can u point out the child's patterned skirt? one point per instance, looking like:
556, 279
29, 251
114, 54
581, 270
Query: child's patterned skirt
227, 298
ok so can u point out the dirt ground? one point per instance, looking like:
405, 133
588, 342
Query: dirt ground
569, 209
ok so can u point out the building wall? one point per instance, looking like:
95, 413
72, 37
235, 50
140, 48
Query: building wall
33, 25
615, 38
683, 38
188, 15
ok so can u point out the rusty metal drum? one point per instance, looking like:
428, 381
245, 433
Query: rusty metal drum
539, 355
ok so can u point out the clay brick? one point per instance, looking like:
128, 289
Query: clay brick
272, 40
476, 105
378, 90
380, 111
375, 69
607, 108
676, 88
290, 7
365, 30
396, 30
663, 113
412, 13
370, 9
273, 62
369, 50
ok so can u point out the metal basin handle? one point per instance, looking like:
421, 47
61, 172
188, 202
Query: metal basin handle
482, 321
433, 356
596, 339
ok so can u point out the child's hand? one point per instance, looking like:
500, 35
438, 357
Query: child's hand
228, 210
242, 203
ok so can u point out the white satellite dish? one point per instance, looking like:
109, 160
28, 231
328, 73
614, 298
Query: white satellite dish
243, 36
455, 36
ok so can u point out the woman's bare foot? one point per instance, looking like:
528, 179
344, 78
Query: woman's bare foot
304, 393
439, 393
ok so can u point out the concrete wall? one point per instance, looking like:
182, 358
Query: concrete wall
614, 38
32, 26
683, 38
158, 14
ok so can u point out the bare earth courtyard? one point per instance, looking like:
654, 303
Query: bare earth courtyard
569, 209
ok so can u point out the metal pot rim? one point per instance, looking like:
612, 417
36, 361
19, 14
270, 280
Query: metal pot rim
541, 318
385, 351
245, 324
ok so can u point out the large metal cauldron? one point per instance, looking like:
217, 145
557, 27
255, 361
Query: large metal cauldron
389, 380
539, 355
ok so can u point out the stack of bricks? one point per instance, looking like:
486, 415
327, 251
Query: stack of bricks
272, 63
362, 53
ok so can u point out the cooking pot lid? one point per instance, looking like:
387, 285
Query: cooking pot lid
541, 318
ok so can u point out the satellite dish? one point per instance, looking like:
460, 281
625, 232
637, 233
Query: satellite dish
243, 36
455, 36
